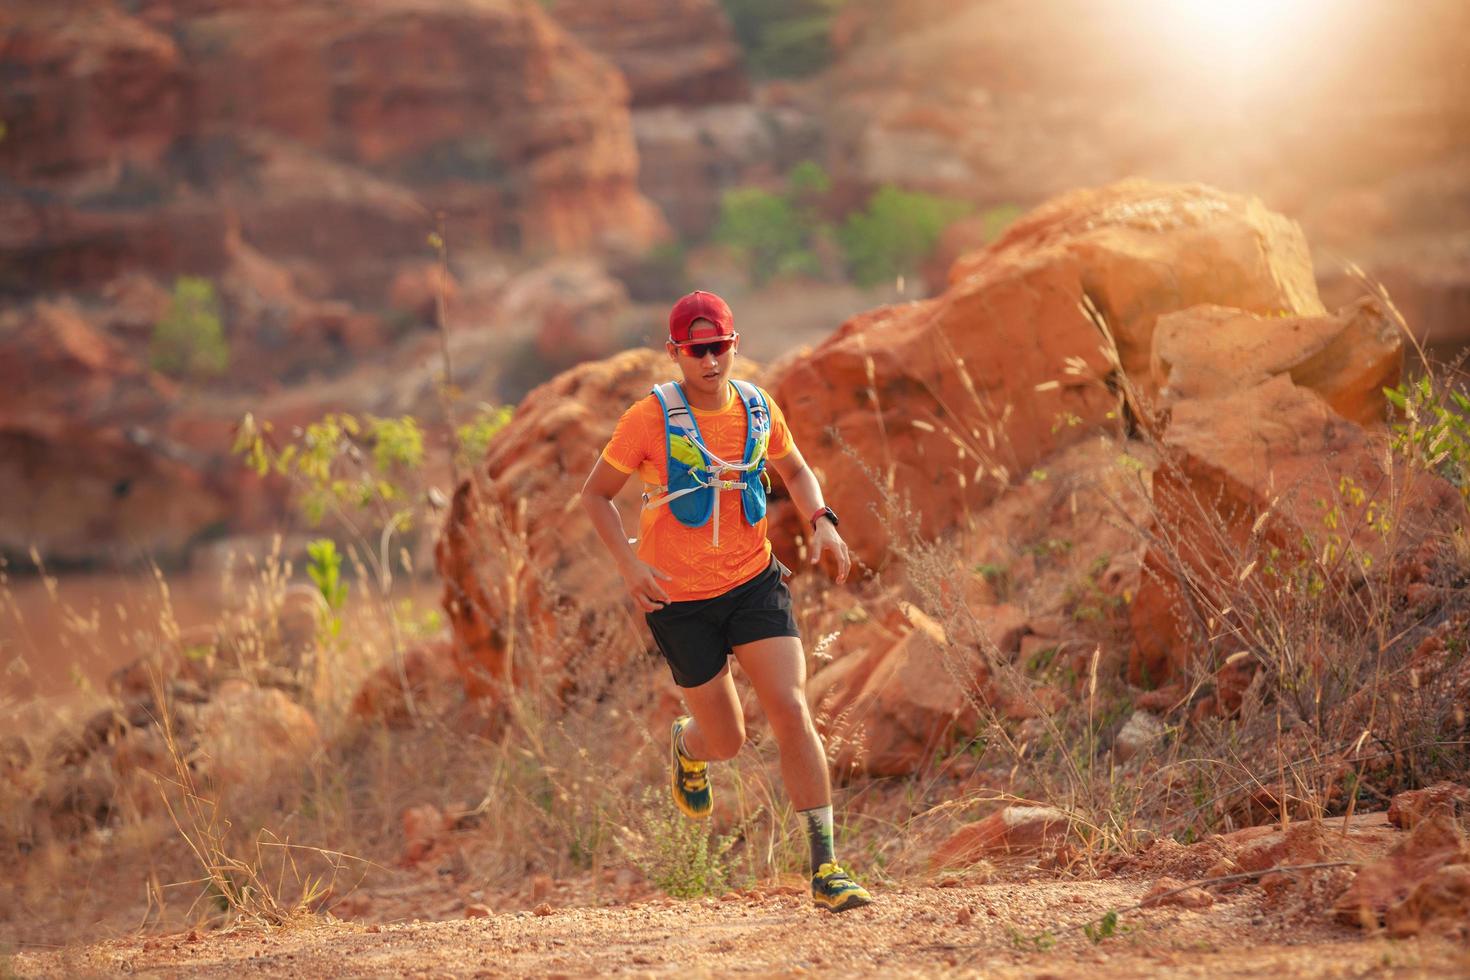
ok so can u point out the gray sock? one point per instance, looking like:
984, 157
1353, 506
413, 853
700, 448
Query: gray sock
679, 744
818, 824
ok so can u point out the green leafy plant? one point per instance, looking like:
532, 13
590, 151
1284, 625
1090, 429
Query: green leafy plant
807, 183
675, 854
189, 341
1041, 942
325, 569
1434, 429
474, 436
778, 233
766, 230
895, 232
417, 623
784, 38
1104, 928
341, 462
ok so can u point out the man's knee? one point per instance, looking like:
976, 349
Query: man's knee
789, 716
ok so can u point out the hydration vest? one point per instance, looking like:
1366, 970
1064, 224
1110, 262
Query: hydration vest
696, 475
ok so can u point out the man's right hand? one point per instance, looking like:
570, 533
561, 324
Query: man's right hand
642, 580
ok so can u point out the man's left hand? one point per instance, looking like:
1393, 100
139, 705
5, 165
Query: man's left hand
826, 538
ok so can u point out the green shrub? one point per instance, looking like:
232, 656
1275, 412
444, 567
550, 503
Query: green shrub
807, 183
1433, 429
764, 228
777, 233
676, 854
342, 464
784, 38
474, 436
896, 232
325, 569
189, 341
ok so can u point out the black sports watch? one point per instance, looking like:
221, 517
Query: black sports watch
828, 513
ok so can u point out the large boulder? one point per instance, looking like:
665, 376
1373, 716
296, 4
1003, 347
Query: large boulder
1409, 808
945, 402
566, 311
889, 709
1348, 358
490, 111
193, 717
246, 737
1267, 481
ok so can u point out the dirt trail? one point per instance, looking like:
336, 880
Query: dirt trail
967, 930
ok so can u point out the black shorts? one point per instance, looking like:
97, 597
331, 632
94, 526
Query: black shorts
696, 636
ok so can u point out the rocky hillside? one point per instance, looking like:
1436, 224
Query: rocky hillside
141, 135
294, 156
1128, 401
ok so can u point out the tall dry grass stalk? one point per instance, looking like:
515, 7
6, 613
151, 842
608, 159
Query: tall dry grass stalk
252, 884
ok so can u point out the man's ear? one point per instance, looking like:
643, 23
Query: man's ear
672, 351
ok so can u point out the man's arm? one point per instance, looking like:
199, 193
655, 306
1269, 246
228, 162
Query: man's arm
642, 579
806, 493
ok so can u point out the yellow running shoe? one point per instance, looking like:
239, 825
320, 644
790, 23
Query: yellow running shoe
690, 779
834, 890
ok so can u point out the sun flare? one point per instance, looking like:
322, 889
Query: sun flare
1239, 26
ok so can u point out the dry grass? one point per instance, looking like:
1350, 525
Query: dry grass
1332, 713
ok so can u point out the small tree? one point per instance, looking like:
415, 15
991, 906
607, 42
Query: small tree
777, 233
896, 232
189, 341
764, 228
784, 38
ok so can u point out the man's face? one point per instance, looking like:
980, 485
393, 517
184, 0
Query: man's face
708, 357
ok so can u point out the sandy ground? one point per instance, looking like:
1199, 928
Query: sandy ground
964, 930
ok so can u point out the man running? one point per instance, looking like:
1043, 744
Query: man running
704, 575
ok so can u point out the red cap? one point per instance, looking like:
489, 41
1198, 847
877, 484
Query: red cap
700, 305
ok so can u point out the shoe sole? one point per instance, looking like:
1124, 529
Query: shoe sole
842, 905
679, 800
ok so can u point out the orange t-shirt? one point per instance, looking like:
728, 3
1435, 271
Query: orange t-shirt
699, 570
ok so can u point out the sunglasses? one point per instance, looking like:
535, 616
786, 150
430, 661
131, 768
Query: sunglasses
715, 347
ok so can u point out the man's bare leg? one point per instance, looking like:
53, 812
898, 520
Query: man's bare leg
718, 728
777, 670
